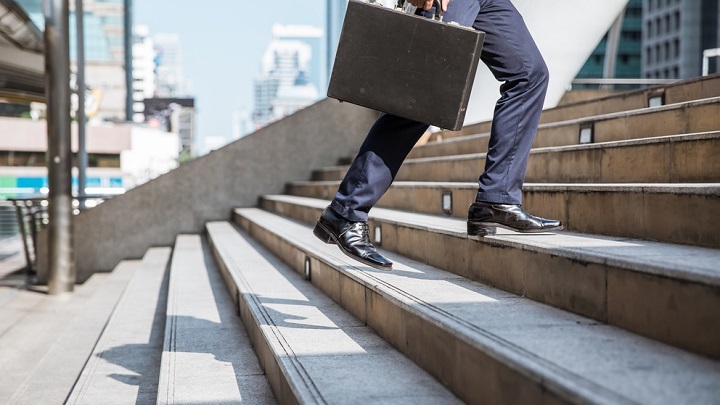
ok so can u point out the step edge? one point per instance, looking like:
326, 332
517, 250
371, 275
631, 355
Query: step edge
698, 276
541, 371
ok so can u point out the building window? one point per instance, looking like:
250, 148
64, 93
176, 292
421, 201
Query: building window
22, 159
666, 48
649, 30
649, 55
676, 18
657, 53
676, 47
676, 72
658, 26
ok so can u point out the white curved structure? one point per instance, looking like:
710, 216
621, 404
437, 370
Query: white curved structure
566, 31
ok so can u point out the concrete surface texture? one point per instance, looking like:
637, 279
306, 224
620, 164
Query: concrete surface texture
48, 340
662, 291
209, 188
207, 356
124, 365
323, 353
432, 315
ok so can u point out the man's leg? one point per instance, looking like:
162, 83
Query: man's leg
513, 58
388, 143
344, 222
382, 153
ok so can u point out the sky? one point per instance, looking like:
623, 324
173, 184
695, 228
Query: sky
222, 44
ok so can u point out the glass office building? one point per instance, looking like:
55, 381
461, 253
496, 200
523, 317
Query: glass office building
628, 61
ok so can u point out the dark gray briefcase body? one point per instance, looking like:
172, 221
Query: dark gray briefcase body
406, 65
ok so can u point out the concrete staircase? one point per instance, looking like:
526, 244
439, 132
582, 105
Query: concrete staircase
623, 307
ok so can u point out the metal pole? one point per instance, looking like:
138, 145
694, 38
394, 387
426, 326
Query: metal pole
57, 77
82, 146
128, 62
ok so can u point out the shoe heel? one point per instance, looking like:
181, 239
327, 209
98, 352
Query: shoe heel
321, 234
480, 230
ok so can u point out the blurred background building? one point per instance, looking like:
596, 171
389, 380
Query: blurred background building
121, 155
292, 73
675, 35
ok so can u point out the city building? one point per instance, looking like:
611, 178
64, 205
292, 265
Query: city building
333, 26
313, 36
175, 115
120, 157
287, 81
169, 68
618, 55
242, 124
144, 81
675, 35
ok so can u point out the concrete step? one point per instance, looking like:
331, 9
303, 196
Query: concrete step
667, 292
679, 92
44, 352
207, 356
312, 350
676, 213
486, 345
668, 159
125, 362
682, 118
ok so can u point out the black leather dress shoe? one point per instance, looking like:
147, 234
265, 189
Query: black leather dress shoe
484, 218
351, 237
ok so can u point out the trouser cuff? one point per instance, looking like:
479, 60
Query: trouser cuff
514, 198
349, 213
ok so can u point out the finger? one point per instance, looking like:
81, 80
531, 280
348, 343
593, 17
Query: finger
428, 5
445, 5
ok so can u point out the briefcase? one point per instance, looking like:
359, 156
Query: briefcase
406, 65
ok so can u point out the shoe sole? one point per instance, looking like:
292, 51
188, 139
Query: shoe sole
322, 233
476, 230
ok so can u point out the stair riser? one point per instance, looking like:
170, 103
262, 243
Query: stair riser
697, 90
676, 312
674, 162
248, 311
688, 161
691, 119
459, 365
677, 218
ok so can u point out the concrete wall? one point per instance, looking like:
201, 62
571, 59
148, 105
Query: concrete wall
208, 188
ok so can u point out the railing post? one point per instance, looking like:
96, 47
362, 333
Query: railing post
23, 234
57, 77
82, 156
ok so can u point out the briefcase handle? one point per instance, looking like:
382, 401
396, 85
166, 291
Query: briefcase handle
438, 8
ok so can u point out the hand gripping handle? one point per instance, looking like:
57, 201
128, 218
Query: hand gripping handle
438, 8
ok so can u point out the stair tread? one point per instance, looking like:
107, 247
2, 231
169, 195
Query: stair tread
125, 361
60, 336
330, 355
204, 340
689, 263
604, 363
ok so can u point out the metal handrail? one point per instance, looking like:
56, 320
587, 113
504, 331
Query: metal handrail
32, 217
